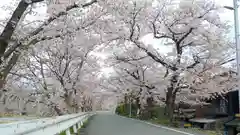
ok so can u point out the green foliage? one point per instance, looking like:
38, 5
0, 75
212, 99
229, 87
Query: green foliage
84, 124
156, 112
64, 132
124, 110
71, 128
121, 109
159, 117
205, 132
162, 121
4, 122
155, 115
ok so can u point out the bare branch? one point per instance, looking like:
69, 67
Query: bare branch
154, 57
12, 24
196, 61
130, 59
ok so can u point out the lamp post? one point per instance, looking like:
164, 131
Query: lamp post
237, 42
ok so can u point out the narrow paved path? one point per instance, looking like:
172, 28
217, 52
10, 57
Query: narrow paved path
110, 124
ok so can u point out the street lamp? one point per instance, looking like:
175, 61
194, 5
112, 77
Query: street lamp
237, 41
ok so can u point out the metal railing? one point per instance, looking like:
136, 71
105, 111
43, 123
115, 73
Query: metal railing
46, 126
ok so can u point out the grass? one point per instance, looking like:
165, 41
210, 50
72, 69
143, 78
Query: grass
205, 132
15, 116
64, 132
71, 128
4, 122
9, 115
19, 116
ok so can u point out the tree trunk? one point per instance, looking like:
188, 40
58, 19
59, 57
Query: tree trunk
138, 106
149, 107
57, 110
171, 96
10, 64
11, 26
6, 36
2, 82
170, 104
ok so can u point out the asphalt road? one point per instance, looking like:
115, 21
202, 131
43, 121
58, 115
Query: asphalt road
110, 124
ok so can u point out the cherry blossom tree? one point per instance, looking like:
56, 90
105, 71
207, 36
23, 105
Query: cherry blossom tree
53, 27
193, 29
12, 46
54, 56
63, 69
143, 78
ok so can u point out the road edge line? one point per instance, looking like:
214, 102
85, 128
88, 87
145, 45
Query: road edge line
159, 126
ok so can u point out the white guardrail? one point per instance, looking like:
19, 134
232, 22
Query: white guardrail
46, 126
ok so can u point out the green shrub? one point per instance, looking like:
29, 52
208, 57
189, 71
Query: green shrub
158, 112
120, 109
154, 114
124, 109
84, 124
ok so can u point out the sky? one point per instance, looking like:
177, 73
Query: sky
226, 15
10, 3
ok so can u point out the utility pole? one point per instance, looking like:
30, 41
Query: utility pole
130, 105
236, 24
237, 43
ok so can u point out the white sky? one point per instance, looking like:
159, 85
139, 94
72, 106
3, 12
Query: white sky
225, 15
7, 6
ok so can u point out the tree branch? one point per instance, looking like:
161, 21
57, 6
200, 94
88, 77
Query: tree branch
154, 57
12, 24
129, 59
196, 61
51, 19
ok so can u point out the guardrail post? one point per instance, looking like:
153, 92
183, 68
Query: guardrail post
68, 132
79, 126
74, 129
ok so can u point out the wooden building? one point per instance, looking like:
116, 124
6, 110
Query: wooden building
220, 109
